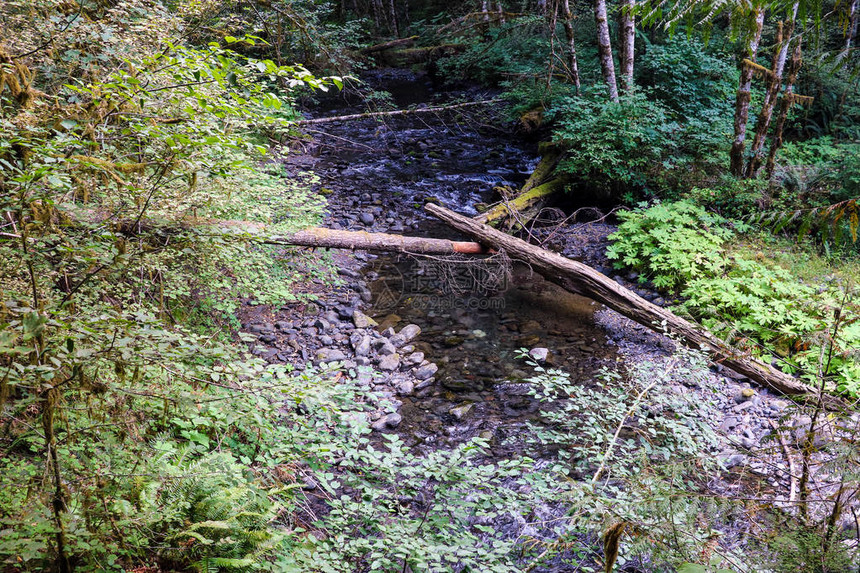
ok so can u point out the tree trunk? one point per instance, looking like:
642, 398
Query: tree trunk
773, 86
392, 15
628, 43
582, 279
572, 62
742, 102
604, 48
851, 33
785, 105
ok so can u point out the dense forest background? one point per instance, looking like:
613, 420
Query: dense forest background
138, 434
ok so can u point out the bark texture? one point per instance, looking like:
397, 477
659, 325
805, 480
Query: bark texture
604, 48
572, 62
742, 102
774, 83
628, 43
582, 279
784, 106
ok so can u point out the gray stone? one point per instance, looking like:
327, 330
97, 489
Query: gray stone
743, 406
539, 354
260, 328
330, 355
461, 411
391, 420
361, 320
405, 388
425, 384
390, 362
414, 358
425, 371
326, 339
383, 347
362, 346
406, 334
366, 218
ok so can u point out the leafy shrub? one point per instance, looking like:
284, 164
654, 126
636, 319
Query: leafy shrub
680, 247
670, 243
731, 197
618, 145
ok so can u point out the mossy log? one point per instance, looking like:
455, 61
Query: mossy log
513, 211
422, 55
398, 43
581, 279
537, 189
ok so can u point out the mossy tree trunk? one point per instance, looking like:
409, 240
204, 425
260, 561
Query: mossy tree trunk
742, 101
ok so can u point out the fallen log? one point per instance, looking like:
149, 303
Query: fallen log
261, 233
399, 43
582, 279
396, 112
381, 242
537, 188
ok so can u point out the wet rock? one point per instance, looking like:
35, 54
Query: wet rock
366, 218
413, 359
269, 338
426, 371
391, 420
405, 388
390, 362
260, 328
539, 354
361, 320
330, 355
461, 411
406, 334
425, 384
744, 395
452, 341
283, 325
361, 345
383, 347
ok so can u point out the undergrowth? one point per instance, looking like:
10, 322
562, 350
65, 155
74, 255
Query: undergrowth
742, 295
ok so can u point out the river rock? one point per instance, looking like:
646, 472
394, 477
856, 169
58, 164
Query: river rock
383, 346
391, 420
414, 358
425, 371
361, 345
539, 354
390, 362
361, 320
461, 411
330, 355
405, 388
744, 395
406, 334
